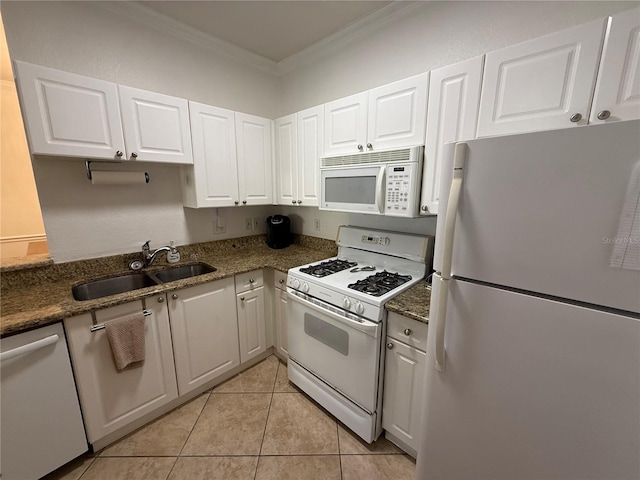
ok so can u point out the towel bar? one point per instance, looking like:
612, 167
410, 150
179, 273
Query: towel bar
95, 328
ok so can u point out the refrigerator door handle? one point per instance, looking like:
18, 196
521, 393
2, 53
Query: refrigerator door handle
460, 157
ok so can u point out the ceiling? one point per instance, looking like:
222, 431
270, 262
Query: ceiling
274, 30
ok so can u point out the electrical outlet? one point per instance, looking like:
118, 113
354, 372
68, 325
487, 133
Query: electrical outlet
317, 224
248, 223
256, 223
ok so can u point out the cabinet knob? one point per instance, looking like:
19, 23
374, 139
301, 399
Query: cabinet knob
369, 146
359, 147
119, 153
604, 114
576, 117
407, 331
160, 299
299, 202
390, 346
134, 155
281, 280
242, 299
251, 280
424, 208
174, 296
244, 202
293, 201
236, 202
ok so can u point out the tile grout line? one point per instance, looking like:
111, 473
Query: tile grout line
264, 433
88, 467
194, 424
339, 451
173, 466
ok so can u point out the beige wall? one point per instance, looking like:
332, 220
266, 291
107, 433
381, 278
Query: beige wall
20, 214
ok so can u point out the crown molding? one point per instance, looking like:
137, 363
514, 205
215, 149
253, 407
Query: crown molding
359, 28
138, 12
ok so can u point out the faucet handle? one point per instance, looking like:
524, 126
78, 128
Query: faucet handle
145, 246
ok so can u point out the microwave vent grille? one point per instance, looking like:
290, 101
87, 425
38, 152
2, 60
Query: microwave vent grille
389, 156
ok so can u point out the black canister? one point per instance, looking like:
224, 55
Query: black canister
278, 231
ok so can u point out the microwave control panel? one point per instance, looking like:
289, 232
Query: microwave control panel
402, 190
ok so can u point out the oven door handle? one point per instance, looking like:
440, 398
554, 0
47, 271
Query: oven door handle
365, 326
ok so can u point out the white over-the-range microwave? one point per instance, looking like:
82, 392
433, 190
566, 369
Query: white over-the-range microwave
379, 182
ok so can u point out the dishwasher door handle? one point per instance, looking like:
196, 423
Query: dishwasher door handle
29, 347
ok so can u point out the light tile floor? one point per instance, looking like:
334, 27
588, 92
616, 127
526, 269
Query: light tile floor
254, 426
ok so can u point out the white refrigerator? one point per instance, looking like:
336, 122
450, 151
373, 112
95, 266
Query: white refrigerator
533, 360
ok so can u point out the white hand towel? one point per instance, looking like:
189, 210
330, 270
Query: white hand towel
126, 338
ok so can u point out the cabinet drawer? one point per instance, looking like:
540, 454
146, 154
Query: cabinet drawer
407, 330
249, 281
280, 279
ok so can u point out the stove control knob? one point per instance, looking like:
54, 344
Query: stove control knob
296, 283
346, 303
305, 287
359, 308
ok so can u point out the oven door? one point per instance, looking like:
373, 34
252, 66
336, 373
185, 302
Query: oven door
343, 352
353, 189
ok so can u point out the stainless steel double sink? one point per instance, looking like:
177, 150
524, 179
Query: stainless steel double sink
133, 281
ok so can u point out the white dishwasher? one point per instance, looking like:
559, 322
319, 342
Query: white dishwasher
42, 425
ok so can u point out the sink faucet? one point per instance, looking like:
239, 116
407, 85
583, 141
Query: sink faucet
149, 257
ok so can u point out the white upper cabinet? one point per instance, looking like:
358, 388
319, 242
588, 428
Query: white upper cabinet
542, 84
390, 116
213, 179
397, 114
452, 115
70, 115
286, 139
253, 140
298, 148
156, 126
310, 142
617, 94
345, 127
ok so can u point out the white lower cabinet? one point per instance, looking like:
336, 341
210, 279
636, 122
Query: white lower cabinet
252, 330
280, 281
204, 331
112, 399
404, 381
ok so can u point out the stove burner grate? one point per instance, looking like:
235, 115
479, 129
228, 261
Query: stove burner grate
380, 283
327, 268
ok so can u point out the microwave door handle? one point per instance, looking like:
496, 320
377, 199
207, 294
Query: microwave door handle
380, 189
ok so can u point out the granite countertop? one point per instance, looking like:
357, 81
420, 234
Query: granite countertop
39, 296
413, 303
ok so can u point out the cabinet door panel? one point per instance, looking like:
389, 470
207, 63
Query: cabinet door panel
286, 137
540, 84
253, 138
310, 150
110, 398
251, 324
213, 179
345, 124
618, 89
205, 333
156, 127
69, 115
454, 96
403, 391
397, 113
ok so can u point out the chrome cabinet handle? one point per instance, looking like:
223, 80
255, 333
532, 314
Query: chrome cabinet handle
360, 147
134, 155
251, 280
242, 299
390, 346
425, 208
293, 201
281, 280
174, 296
369, 146
576, 117
407, 331
236, 202
160, 299
604, 114
299, 202
119, 153
244, 202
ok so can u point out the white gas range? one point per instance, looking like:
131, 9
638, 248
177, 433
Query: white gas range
336, 320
